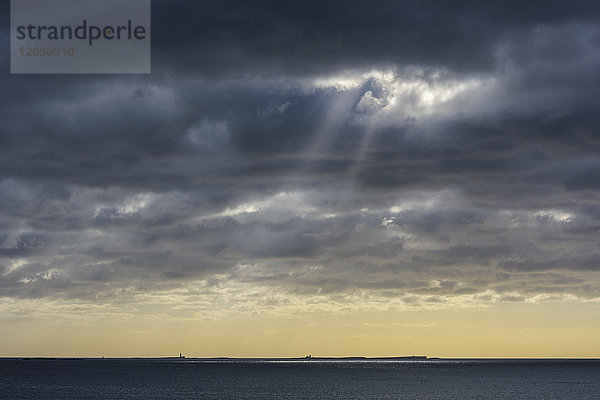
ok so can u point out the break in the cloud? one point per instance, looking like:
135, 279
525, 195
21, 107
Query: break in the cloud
340, 154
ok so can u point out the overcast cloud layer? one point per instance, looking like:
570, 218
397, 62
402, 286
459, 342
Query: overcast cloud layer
413, 151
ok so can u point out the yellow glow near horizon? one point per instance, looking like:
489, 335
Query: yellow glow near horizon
567, 329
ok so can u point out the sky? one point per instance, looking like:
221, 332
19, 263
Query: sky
330, 178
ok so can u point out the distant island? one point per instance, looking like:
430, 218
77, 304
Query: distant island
310, 357
306, 358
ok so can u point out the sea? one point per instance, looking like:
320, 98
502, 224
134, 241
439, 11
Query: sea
432, 379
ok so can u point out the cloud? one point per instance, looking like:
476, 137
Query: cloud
434, 155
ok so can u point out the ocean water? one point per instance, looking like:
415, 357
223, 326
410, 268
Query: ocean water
310, 379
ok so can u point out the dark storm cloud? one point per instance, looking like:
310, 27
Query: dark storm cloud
403, 148
316, 36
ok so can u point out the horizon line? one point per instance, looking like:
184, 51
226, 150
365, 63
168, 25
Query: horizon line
304, 358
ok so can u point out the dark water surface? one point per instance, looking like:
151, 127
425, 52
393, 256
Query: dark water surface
315, 379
